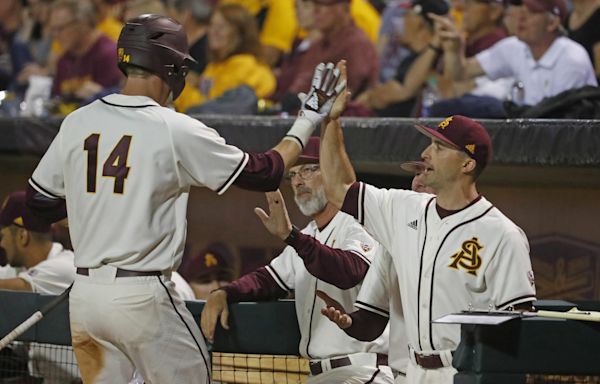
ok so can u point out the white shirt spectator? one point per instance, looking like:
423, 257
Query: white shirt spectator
565, 65
53, 275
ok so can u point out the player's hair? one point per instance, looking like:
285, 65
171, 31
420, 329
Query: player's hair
81, 10
246, 30
135, 71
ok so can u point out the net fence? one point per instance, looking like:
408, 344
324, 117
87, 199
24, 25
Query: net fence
37, 363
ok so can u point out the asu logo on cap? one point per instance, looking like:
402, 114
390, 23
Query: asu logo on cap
210, 260
123, 57
445, 123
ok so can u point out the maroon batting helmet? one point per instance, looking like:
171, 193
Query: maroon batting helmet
157, 44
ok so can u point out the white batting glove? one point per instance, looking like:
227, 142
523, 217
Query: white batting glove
316, 105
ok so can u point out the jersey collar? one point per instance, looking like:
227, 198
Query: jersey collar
119, 100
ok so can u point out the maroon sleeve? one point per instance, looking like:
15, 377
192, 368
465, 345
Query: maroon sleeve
263, 172
50, 209
255, 286
350, 205
366, 325
338, 267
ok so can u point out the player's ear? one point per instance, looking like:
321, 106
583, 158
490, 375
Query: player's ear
469, 165
23, 237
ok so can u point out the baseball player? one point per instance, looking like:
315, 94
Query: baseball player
451, 252
124, 164
379, 296
331, 254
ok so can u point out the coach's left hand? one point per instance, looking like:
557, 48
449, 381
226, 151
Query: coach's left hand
278, 222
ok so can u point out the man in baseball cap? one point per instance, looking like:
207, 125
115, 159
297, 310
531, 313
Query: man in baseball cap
465, 135
331, 254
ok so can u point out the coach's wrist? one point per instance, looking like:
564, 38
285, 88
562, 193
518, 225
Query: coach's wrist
291, 236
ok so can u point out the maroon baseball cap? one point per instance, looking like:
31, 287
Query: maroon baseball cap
15, 212
464, 134
310, 154
211, 263
413, 166
555, 7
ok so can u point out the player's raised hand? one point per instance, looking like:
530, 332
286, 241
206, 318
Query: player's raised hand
334, 311
343, 94
215, 308
278, 222
326, 85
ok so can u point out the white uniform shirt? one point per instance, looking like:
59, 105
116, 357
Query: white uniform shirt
182, 287
565, 65
141, 160
8, 272
321, 338
380, 293
475, 258
53, 275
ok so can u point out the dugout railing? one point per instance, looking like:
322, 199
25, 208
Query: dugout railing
260, 347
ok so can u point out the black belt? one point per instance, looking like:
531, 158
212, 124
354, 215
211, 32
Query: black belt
429, 361
122, 273
316, 368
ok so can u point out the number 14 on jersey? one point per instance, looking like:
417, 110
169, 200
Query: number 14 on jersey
115, 165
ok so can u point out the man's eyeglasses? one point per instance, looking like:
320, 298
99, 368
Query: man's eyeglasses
304, 173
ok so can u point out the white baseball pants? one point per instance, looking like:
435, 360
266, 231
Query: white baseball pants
119, 324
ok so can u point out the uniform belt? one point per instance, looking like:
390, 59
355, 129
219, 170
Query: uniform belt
316, 367
122, 273
429, 361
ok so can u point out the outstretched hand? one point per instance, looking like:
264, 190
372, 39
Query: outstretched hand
334, 311
327, 83
343, 94
278, 222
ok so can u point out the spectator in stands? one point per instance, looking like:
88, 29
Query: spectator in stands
194, 15
332, 253
276, 24
582, 26
107, 16
390, 49
290, 62
208, 269
398, 96
341, 39
14, 53
234, 56
88, 67
36, 33
478, 97
539, 57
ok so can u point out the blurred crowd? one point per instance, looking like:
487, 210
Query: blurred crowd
406, 58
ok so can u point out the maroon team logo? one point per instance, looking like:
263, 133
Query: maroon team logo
468, 256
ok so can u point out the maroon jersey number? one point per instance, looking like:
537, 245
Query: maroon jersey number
115, 165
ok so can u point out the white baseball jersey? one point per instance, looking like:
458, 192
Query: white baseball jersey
9, 272
380, 293
183, 289
321, 338
125, 165
53, 275
475, 258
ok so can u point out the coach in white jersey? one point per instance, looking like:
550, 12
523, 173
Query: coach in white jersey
125, 164
451, 252
331, 254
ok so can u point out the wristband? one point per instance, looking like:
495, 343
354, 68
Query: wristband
303, 127
292, 236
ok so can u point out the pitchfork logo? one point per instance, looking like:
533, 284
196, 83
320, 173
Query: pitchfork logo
468, 256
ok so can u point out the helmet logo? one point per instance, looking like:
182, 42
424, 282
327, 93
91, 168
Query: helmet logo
123, 57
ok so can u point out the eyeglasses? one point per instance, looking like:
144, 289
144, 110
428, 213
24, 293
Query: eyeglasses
305, 173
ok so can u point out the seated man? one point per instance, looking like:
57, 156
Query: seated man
332, 254
539, 57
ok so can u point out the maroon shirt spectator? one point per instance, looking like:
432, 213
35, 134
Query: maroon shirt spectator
88, 65
341, 39
485, 41
98, 64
